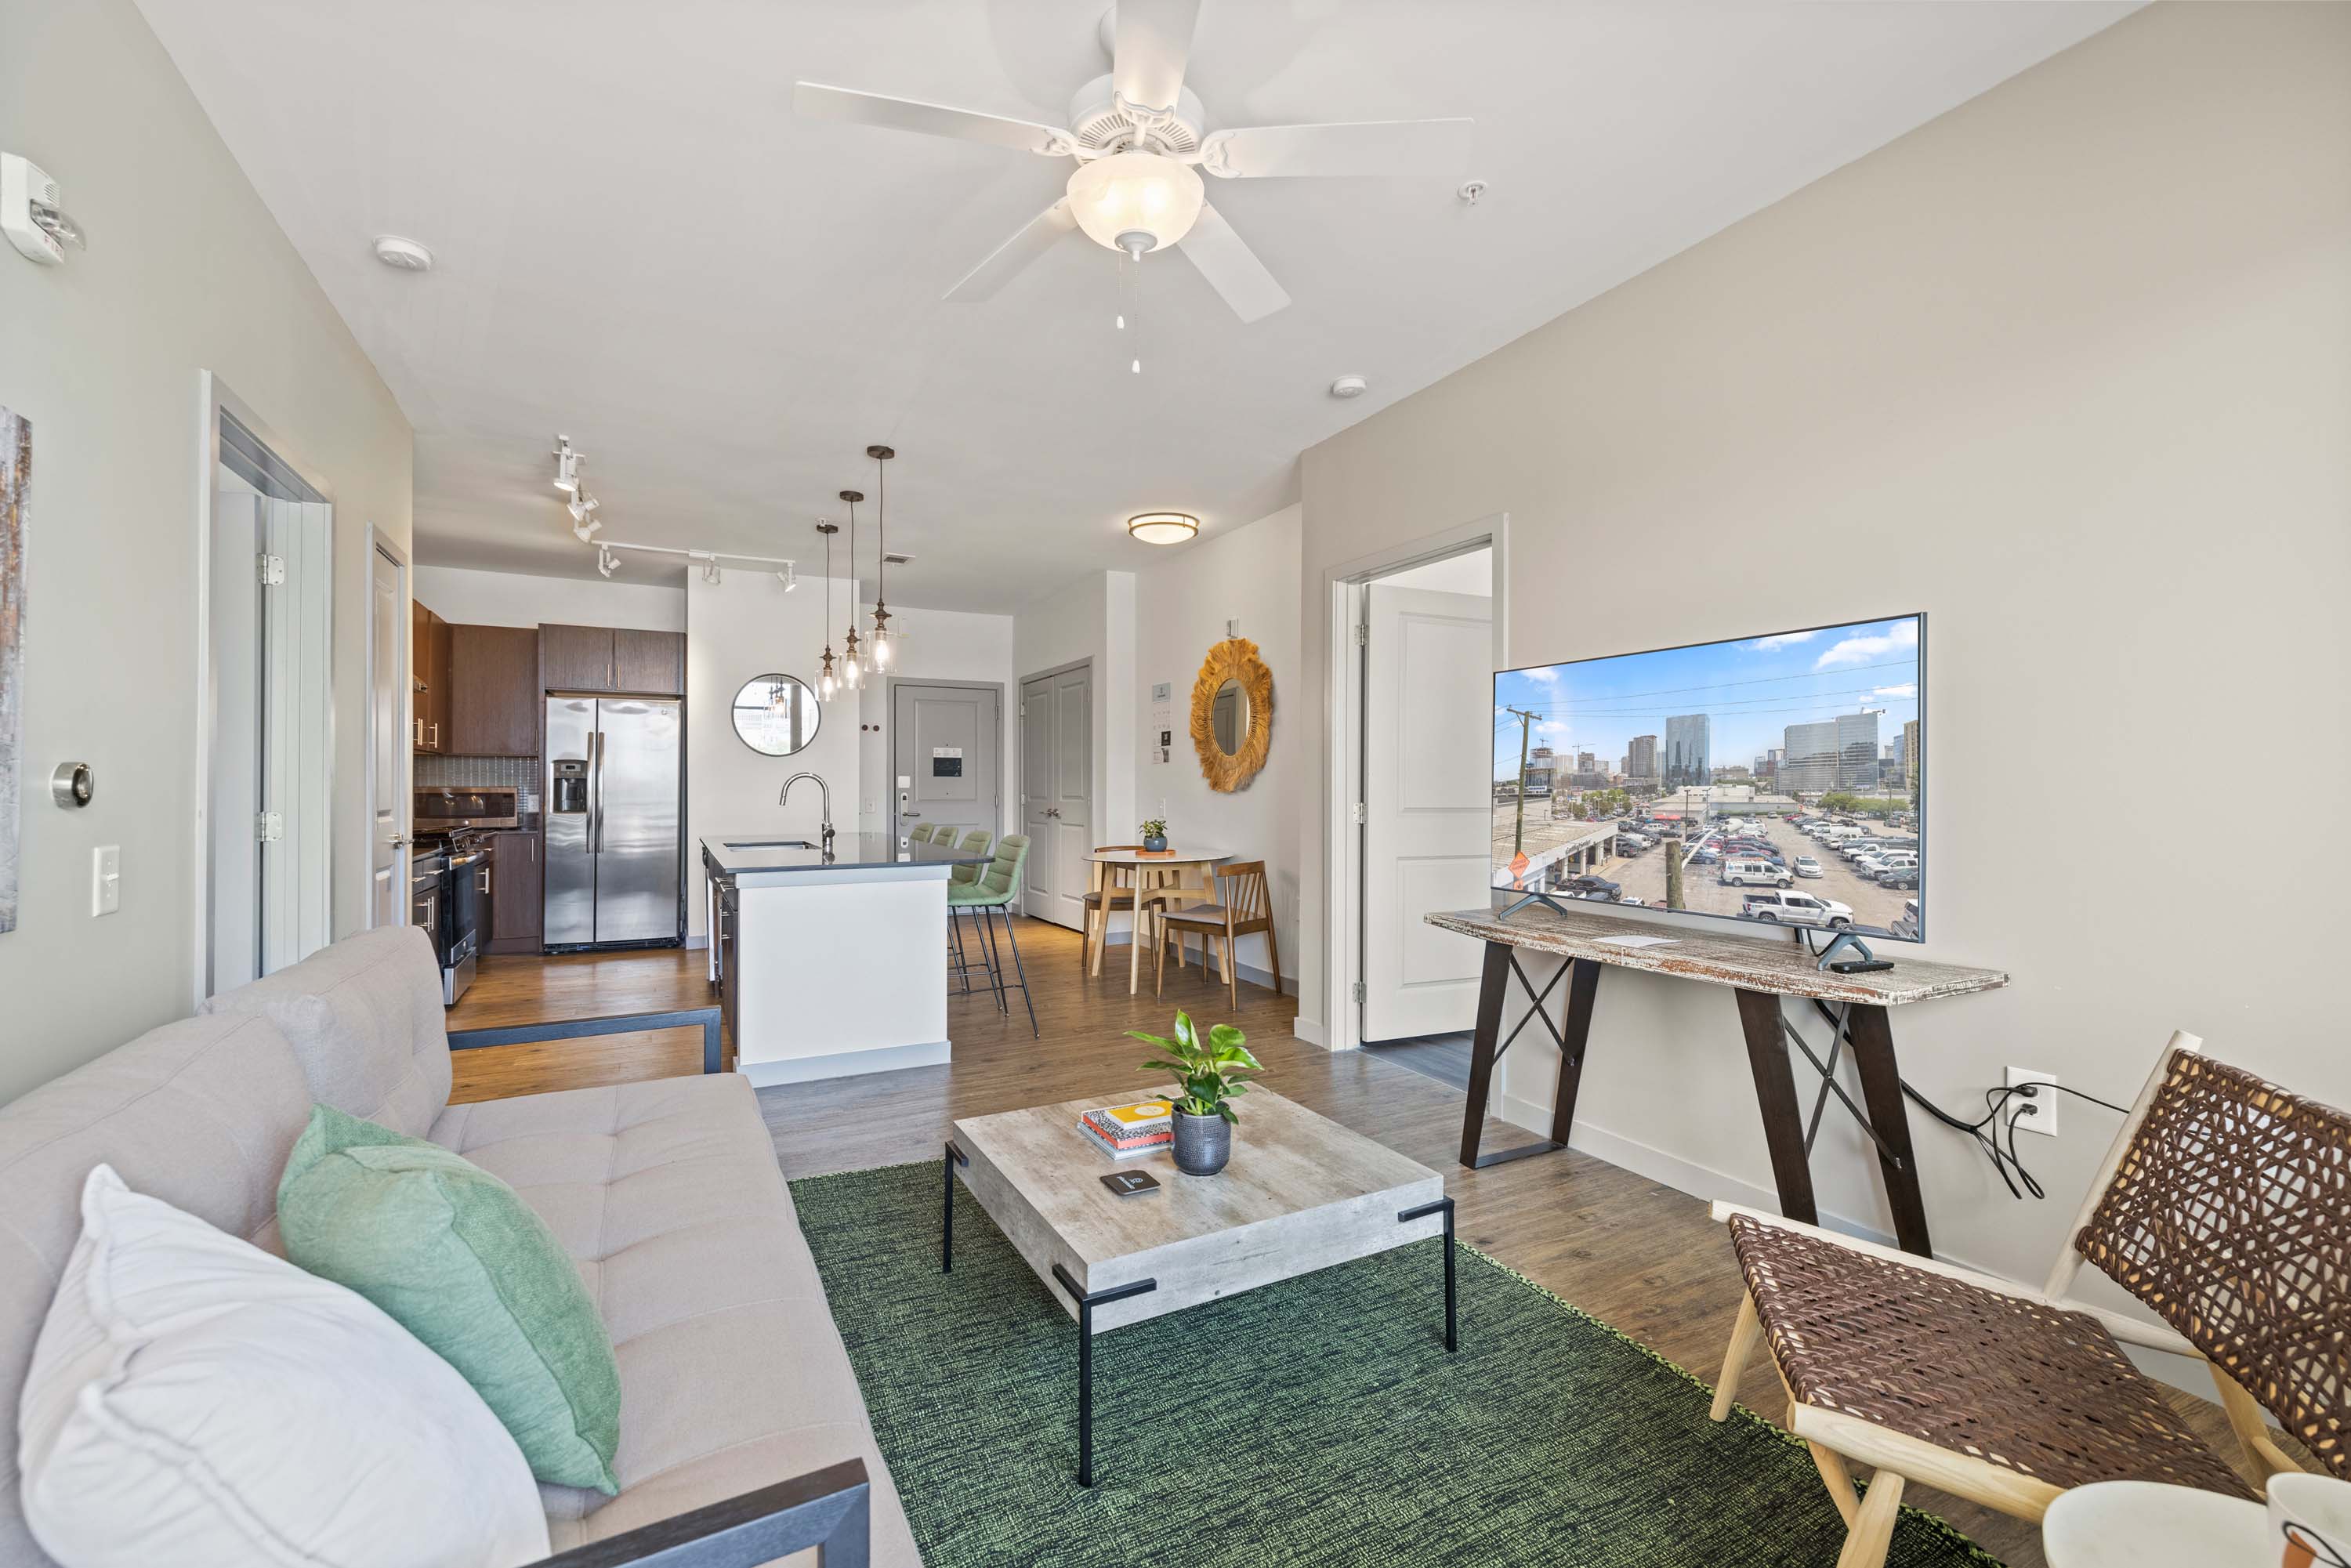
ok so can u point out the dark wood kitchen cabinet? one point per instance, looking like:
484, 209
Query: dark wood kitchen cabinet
494, 693
429, 653
575, 658
649, 664
517, 879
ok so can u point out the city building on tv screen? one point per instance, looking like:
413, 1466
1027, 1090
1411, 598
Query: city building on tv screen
1776, 779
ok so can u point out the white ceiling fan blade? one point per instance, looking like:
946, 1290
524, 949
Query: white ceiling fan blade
1035, 238
1372, 146
1232, 268
1153, 44
817, 101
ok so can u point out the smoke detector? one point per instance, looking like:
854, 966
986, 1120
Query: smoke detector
1349, 386
403, 255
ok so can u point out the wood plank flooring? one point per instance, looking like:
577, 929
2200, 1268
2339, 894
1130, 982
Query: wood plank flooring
1641, 1257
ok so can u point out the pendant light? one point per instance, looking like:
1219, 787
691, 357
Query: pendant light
825, 683
880, 454
852, 668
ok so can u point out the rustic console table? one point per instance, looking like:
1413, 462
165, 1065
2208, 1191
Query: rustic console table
1760, 973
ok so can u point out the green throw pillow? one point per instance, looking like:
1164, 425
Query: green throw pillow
460, 1261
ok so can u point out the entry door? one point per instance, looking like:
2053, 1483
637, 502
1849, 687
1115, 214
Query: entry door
943, 743
1057, 714
388, 748
1426, 842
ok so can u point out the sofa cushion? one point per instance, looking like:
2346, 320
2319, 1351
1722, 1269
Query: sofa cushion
199, 1114
195, 1401
464, 1264
668, 1198
365, 1017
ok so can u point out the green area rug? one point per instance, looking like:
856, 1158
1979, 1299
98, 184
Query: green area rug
1315, 1422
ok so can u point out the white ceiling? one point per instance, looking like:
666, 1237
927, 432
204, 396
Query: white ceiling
640, 245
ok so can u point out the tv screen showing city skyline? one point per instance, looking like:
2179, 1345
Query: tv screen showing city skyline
1775, 780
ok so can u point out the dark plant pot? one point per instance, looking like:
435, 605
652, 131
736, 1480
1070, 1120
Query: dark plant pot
1203, 1144
1157, 844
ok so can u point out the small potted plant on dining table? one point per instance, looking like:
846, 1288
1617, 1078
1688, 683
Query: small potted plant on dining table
1208, 1072
1154, 836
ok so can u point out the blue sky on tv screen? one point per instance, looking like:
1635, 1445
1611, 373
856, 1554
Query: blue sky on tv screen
1750, 689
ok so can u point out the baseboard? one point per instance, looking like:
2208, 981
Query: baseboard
1309, 1029
845, 1064
698, 941
1708, 1185
1249, 972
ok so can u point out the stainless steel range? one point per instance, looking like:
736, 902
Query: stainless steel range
451, 875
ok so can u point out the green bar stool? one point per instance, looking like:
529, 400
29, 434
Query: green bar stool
996, 893
974, 843
923, 833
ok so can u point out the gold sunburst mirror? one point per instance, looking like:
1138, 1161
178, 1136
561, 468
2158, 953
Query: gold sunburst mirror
1232, 714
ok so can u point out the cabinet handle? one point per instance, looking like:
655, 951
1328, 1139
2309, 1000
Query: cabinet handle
436, 735
420, 734
486, 881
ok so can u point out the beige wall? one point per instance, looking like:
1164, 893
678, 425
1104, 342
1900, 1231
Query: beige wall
186, 272
2069, 369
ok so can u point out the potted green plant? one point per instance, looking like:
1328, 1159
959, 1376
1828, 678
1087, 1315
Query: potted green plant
1207, 1076
1154, 835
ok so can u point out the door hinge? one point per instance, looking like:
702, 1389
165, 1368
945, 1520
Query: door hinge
269, 827
272, 571
1362, 633
1363, 813
1359, 993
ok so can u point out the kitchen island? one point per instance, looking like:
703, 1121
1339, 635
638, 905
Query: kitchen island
829, 963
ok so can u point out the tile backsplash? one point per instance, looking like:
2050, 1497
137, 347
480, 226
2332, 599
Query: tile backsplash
517, 773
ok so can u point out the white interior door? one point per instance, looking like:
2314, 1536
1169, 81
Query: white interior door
388, 748
237, 718
1426, 698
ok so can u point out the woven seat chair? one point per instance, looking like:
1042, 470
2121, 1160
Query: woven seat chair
1240, 905
2224, 1205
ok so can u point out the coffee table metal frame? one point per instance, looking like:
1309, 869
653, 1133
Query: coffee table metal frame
1086, 1302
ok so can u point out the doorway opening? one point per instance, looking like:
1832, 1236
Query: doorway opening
266, 735
1417, 638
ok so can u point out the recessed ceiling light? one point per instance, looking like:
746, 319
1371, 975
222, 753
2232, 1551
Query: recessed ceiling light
1349, 386
403, 255
1163, 527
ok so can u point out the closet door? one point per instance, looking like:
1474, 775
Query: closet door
1056, 792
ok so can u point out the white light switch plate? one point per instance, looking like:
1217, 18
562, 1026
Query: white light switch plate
105, 879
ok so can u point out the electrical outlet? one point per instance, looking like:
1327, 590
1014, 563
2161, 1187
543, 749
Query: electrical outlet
2043, 1117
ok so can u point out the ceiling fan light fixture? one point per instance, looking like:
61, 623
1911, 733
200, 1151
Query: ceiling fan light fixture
1163, 527
1135, 202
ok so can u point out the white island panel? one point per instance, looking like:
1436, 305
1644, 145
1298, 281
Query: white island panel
841, 974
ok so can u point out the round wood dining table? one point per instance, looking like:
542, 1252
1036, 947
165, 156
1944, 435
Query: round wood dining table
1149, 878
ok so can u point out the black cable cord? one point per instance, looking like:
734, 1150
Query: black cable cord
1995, 1101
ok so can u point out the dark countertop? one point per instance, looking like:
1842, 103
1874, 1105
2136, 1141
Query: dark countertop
729, 854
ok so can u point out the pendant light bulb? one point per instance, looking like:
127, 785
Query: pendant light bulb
1122, 322
1136, 368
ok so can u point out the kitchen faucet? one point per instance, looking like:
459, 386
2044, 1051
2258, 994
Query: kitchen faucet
824, 792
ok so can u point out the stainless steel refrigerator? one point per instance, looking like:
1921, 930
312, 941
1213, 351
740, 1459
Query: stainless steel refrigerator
612, 811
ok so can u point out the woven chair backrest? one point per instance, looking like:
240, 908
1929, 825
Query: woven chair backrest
2229, 1214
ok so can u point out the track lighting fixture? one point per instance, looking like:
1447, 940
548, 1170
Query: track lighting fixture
789, 577
606, 562
711, 573
567, 465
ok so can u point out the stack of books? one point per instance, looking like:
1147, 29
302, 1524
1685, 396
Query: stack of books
1125, 1132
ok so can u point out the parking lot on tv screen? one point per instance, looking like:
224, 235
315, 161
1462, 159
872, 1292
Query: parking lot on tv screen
1775, 780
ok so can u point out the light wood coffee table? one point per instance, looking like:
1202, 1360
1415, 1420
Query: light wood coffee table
1301, 1193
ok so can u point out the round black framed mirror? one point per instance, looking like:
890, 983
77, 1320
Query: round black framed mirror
775, 715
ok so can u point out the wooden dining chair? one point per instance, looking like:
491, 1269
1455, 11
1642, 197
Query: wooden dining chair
1243, 907
1105, 880
2224, 1205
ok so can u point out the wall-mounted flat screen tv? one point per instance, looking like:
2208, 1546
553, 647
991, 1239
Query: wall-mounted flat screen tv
1777, 779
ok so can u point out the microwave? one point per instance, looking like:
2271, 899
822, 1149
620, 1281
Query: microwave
440, 809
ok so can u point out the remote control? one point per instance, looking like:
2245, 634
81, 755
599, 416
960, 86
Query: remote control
1860, 966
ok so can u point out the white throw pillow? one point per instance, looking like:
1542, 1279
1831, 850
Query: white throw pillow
196, 1402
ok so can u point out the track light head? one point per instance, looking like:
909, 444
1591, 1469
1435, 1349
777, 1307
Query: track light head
581, 504
567, 465
586, 532
606, 562
789, 577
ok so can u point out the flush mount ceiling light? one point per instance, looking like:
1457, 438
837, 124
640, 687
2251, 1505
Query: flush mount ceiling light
1163, 527
401, 254
1135, 202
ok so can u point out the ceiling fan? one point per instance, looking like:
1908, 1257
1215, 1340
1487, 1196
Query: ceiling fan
1140, 139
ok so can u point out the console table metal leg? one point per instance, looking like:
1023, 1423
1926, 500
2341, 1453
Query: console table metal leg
1488, 1044
1442, 1205
1086, 1302
1881, 1091
955, 1158
1775, 1097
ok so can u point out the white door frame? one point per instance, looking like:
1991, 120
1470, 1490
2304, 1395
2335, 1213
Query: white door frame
403, 758
213, 398
1343, 739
